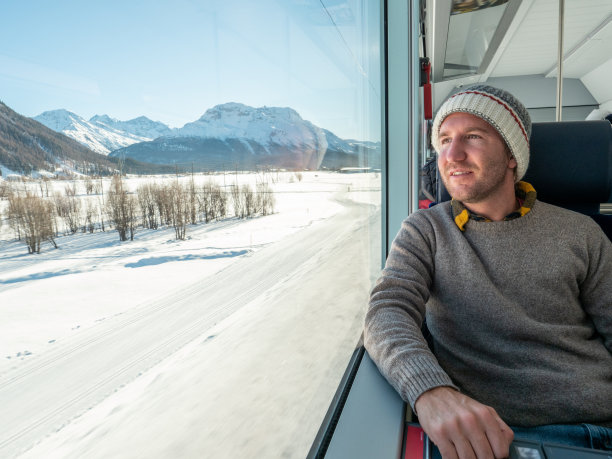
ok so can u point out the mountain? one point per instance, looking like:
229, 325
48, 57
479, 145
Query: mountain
267, 135
141, 127
233, 134
226, 136
98, 134
28, 146
350, 153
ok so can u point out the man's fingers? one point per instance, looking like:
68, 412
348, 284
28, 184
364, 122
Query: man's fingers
464, 445
447, 450
465, 450
500, 440
481, 447
499, 436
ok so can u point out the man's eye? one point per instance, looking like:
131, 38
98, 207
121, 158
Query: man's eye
444, 140
473, 136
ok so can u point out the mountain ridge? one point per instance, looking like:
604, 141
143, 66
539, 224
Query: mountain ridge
225, 134
96, 135
28, 147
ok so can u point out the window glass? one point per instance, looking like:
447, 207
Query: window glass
470, 30
189, 222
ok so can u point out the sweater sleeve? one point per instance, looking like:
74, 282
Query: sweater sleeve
596, 289
396, 312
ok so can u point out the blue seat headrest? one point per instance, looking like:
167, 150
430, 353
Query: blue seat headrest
571, 164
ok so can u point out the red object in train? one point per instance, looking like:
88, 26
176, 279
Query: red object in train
424, 203
427, 106
427, 99
415, 443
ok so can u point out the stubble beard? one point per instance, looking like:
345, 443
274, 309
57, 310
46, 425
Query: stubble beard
482, 188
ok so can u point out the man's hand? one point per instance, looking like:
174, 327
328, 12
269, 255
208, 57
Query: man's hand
461, 427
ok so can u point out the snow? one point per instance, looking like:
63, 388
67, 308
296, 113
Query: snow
233, 120
264, 125
96, 136
255, 384
141, 126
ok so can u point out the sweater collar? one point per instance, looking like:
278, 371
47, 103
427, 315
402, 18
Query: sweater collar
525, 195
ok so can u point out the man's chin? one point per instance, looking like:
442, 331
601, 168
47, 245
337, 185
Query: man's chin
459, 194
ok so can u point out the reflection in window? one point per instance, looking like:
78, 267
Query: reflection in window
470, 30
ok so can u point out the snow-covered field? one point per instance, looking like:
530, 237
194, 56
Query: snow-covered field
230, 343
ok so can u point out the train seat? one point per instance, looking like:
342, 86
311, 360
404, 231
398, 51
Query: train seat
571, 166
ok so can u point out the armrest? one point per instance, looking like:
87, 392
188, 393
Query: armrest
371, 422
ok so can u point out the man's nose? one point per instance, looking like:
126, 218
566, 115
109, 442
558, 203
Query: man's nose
454, 150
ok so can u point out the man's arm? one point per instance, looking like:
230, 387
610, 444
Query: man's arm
396, 312
460, 426
596, 289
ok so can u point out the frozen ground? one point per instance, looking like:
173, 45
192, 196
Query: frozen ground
229, 343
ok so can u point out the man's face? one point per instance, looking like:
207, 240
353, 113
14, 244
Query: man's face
473, 160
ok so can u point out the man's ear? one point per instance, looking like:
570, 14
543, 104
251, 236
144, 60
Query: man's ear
512, 164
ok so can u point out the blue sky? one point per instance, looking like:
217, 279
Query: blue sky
172, 60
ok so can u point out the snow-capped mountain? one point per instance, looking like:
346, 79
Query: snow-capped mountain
350, 153
264, 131
263, 125
96, 136
141, 126
29, 148
227, 135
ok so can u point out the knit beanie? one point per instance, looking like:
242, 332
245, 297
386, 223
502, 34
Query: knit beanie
501, 110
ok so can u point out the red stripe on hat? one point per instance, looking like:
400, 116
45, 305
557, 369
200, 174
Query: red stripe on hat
500, 103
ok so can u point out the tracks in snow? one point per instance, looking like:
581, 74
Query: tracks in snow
42, 395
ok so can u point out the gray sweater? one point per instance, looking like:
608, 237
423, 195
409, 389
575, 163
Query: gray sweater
520, 313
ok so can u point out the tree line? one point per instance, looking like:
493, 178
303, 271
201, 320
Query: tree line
38, 215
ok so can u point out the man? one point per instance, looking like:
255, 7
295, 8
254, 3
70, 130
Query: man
517, 295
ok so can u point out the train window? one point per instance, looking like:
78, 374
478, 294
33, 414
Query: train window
190, 209
524, 56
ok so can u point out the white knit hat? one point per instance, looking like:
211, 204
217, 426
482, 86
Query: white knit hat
501, 110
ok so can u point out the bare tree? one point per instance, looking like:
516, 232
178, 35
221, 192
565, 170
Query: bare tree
248, 203
97, 186
34, 217
237, 201
15, 211
132, 215
121, 208
219, 202
68, 208
179, 209
248, 200
89, 185
70, 190
90, 213
212, 202
5, 189
101, 209
147, 204
161, 195
265, 199
192, 202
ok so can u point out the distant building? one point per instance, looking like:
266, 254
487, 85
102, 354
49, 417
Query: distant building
354, 170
